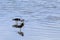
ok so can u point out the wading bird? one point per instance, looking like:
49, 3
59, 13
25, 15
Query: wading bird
19, 26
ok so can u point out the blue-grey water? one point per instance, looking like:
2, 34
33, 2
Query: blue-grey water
42, 19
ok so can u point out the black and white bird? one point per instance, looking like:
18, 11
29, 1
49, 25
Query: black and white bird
20, 25
17, 20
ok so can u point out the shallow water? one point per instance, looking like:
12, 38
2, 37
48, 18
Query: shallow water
42, 19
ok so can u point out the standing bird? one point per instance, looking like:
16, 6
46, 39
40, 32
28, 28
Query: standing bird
19, 26
16, 25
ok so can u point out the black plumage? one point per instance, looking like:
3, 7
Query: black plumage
19, 26
16, 19
22, 24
